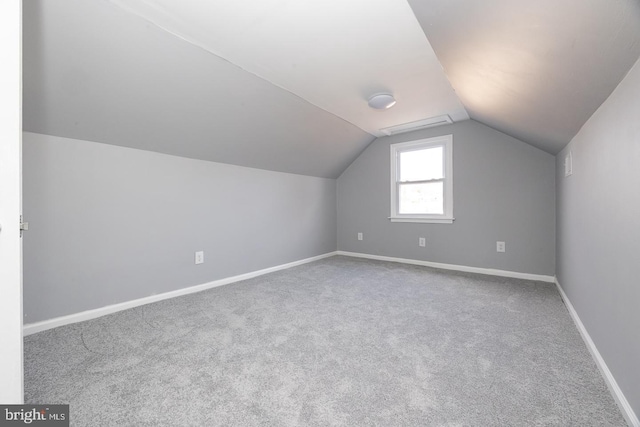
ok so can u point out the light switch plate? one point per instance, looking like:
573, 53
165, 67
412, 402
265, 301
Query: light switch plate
568, 164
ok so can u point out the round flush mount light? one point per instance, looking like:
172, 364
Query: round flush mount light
382, 101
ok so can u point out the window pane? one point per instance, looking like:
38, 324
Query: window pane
421, 165
426, 198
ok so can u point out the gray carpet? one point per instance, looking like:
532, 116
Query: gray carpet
341, 341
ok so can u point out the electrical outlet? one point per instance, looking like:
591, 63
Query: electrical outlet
422, 242
360, 236
199, 257
500, 247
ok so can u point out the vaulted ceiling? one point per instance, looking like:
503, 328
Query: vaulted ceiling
536, 70
283, 84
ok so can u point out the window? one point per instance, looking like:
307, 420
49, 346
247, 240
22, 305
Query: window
422, 180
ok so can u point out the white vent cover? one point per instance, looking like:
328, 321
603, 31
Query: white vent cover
418, 124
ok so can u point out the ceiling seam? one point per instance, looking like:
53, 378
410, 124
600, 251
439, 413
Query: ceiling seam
202, 47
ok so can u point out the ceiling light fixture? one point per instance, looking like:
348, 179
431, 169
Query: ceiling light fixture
382, 101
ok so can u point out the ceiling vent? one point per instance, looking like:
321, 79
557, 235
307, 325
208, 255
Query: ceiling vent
418, 124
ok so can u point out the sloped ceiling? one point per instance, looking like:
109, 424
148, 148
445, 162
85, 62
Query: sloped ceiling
92, 71
536, 70
265, 84
333, 53
283, 84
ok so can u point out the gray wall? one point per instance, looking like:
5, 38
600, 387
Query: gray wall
110, 224
503, 190
598, 243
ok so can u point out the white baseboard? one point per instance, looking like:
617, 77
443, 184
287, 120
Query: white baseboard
621, 400
489, 271
33, 328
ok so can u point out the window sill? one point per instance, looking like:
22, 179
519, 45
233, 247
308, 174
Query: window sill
423, 220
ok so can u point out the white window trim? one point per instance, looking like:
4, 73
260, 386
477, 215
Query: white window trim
445, 141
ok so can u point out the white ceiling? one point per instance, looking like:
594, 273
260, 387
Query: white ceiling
94, 72
536, 70
283, 84
333, 53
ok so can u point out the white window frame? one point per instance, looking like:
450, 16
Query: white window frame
445, 141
